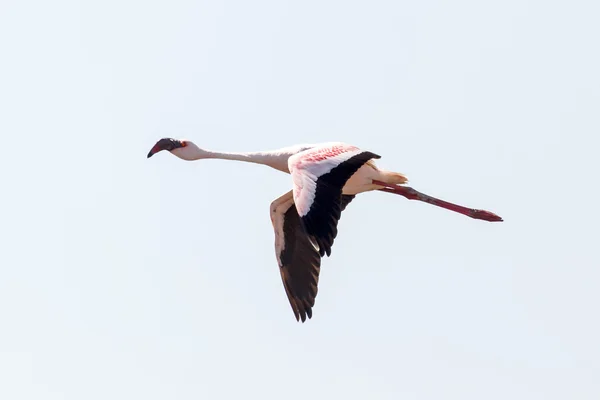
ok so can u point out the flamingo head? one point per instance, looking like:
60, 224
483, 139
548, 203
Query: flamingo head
183, 149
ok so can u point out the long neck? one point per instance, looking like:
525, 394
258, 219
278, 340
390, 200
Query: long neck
252, 157
272, 159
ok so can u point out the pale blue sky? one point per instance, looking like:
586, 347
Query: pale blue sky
127, 278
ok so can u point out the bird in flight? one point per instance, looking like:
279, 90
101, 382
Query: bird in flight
325, 179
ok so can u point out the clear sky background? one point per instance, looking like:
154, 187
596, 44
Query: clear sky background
128, 278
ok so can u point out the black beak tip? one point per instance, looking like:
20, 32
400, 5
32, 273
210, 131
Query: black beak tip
150, 155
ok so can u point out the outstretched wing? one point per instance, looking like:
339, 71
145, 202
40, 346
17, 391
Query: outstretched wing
298, 259
319, 175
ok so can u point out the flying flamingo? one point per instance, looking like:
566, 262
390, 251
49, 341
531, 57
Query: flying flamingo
326, 177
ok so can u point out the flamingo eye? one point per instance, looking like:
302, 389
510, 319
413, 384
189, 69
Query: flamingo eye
183, 143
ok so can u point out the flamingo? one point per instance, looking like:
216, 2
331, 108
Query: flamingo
326, 177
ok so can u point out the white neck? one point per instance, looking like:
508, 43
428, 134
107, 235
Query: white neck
274, 159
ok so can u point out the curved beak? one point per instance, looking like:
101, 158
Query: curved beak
154, 150
165, 144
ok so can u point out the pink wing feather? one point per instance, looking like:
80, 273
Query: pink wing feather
307, 166
319, 175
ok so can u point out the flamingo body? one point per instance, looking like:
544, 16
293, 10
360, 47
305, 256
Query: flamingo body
325, 179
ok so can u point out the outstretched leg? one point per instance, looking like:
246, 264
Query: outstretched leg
412, 194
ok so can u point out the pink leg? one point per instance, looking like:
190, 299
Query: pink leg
412, 194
